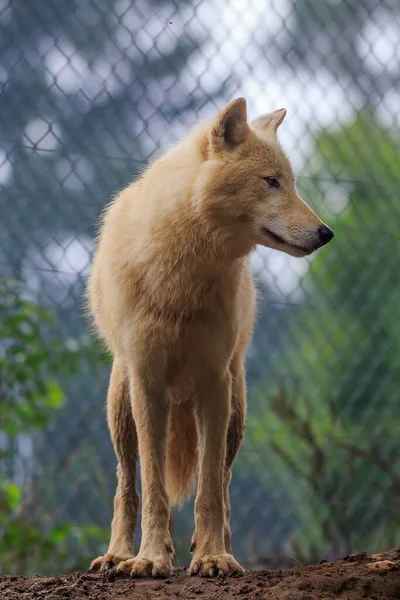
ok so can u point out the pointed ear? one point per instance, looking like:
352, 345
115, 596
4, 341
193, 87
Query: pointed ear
271, 121
230, 127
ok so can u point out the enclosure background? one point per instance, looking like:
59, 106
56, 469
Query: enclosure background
89, 91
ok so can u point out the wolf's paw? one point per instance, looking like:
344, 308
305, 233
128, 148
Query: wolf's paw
214, 565
107, 562
146, 567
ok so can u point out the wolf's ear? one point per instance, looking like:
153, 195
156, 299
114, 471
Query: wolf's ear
230, 127
271, 121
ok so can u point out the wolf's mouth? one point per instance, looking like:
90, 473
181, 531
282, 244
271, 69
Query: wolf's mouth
277, 238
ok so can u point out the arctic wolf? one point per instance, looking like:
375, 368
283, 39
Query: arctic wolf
172, 296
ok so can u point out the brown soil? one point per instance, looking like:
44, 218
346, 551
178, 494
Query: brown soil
350, 578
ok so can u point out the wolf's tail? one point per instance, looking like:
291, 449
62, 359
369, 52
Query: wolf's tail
182, 453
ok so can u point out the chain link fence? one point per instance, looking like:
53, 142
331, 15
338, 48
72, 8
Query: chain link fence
90, 89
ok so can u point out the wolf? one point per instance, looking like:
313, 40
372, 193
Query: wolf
171, 294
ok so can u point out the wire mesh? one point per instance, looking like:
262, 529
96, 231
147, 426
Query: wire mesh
89, 92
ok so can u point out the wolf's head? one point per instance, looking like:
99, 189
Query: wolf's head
247, 184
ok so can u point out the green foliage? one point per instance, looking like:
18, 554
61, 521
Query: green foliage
27, 394
31, 363
355, 313
332, 425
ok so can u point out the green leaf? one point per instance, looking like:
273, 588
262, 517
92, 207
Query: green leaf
12, 494
55, 397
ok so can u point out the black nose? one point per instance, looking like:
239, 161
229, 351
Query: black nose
325, 234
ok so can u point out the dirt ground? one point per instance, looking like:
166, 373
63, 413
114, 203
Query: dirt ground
371, 577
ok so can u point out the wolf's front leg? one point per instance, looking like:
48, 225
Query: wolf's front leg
210, 557
126, 501
150, 412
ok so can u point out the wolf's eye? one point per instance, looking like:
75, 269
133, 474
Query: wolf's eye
272, 181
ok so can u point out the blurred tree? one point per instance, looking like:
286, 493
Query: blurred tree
31, 363
332, 426
357, 334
